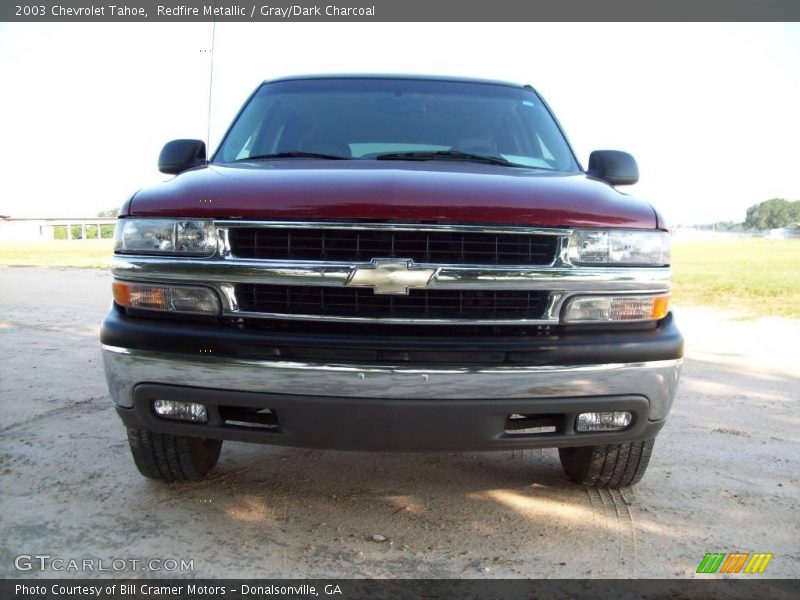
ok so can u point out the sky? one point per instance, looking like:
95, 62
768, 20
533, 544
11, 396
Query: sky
710, 111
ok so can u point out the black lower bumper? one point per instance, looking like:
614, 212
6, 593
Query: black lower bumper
388, 424
410, 389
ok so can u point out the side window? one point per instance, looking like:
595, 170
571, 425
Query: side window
246, 149
242, 141
544, 150
548, 143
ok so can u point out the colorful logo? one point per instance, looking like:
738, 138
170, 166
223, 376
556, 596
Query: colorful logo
736, 562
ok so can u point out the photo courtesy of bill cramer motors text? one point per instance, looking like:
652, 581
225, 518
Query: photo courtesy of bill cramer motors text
177, 590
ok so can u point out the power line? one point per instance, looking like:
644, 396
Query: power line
211, 81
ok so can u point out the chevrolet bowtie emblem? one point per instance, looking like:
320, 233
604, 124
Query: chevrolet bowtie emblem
390, 276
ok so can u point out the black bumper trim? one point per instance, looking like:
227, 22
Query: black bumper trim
663, 342
396, 424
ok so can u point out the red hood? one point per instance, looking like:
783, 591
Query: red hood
393, 191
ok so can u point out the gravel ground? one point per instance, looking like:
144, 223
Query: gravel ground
724, 476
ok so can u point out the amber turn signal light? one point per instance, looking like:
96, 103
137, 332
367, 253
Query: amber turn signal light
660, 307
165, 297
613, 308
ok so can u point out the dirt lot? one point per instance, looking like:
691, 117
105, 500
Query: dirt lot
724, 476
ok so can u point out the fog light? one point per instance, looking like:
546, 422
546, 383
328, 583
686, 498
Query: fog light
185, 299
593, 309
603, 421
182, 411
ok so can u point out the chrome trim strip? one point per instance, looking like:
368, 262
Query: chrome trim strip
564, 278
387, 320
125, 368
498, 229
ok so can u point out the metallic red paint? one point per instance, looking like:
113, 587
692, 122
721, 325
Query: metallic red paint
429, 191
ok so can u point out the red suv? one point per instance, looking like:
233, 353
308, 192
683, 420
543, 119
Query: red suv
392, 263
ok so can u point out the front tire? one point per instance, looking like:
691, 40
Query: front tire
614, 466
172, 457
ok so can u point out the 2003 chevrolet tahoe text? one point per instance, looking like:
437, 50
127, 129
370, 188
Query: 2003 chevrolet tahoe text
392, 263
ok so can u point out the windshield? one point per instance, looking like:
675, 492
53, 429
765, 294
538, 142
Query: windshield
397, 119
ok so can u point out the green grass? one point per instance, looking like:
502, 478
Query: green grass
75, 253
755, 277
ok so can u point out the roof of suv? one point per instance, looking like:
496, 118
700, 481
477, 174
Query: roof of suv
397, 76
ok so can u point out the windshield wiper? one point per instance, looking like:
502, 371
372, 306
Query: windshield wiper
447, 155
293, 154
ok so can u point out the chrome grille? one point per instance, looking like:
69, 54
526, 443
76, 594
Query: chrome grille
499, 282
331, 301
348, 244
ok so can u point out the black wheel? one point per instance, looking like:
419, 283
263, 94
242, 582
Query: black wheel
172, 457
615, 466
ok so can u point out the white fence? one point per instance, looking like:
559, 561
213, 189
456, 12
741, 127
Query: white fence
31, 230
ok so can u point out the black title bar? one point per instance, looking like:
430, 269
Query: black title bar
398, 10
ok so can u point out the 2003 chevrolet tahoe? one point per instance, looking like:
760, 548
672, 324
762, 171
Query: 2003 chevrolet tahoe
392, 263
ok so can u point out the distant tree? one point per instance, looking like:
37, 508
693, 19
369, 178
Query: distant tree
728, 226
720, 226
772, 214
113, 212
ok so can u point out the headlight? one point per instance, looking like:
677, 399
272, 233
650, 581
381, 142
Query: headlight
620, 247
165, 236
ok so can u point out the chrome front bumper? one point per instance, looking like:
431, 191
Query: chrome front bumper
656, 381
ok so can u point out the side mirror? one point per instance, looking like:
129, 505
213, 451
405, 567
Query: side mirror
614, 167
179, 155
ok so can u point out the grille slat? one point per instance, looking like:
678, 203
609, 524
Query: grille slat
451, 247
419, 304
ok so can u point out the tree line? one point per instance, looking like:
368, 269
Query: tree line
770, 214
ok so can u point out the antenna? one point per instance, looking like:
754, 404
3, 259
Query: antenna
211, 82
